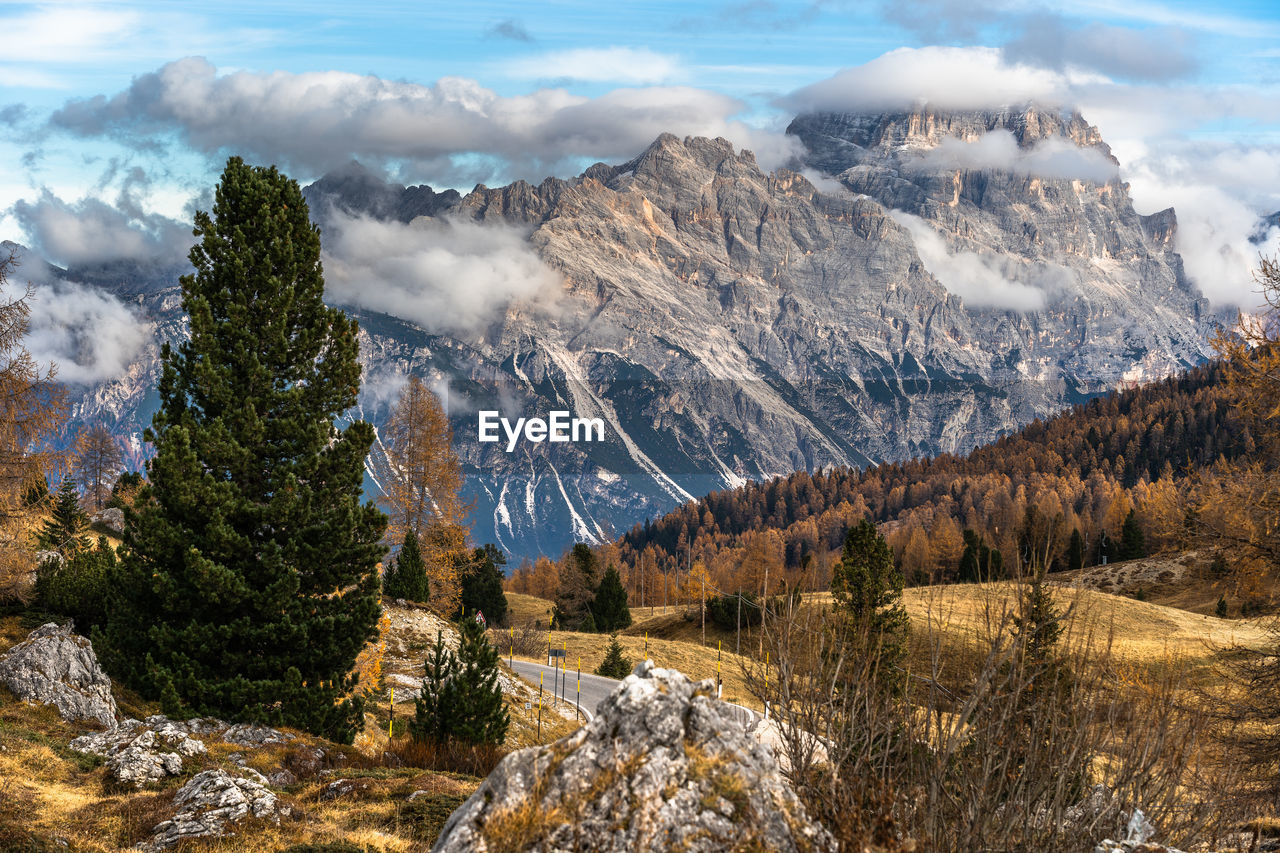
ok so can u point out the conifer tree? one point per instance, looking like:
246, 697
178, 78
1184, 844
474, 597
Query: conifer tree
1133, 545
406, 577
1075, 551
248, 583
615, 663
437, 702
979, 562
867, 588
576, 593
482, 585
610, 610
480, 714
62, 531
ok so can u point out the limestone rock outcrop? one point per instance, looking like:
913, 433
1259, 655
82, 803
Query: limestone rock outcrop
210, 804
54, 666
661, 767
140, 752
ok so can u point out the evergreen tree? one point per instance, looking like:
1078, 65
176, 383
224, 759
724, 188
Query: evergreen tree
437, 703
1221, 610
248, 581
615, 663
1075, 551
62, 532
576, 594
610, 611
1133, 544
480, 714
978, 562
406, 577
867, 588
77, 586
482, 578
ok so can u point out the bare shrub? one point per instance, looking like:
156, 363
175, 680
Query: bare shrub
528, 641
1021, 744
451, 756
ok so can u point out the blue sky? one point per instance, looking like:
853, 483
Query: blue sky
116, 116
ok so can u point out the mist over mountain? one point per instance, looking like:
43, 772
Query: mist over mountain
939, 280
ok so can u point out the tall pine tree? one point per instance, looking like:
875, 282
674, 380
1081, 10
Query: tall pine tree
248, 584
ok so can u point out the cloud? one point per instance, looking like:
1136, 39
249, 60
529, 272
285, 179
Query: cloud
998, 149
89, 334
1157, 54
635, 66
318, 121
92, 231
445, 275
956, 78
65, 32
976, 279
509, 29
1218, 191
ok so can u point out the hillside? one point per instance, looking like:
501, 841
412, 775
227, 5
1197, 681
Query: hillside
1093, 463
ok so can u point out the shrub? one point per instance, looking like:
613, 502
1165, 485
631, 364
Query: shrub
615, 664
77, 586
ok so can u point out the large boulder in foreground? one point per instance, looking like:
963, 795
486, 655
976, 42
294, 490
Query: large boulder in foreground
663, 766
55, 667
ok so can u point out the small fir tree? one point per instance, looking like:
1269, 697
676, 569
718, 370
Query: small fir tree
62, 532
1075, 552
406, 577
76, 586
1221, 610
575, 595
615, 663
610, 611
480, 714
979, 563
437, 704
1133, 544
867, 588
482, 585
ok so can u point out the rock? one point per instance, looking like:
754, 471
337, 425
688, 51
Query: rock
342, 788
662, 766
55, 667
281, 779
111, 518
251, 734
208, 803
138, 753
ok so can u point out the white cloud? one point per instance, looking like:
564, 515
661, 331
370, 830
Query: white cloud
318, 121
998, 149
91, 231
89, 334
65, 33
957, 78
445, 275
976, 279
599, 65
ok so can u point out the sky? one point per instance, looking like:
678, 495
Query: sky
116, 117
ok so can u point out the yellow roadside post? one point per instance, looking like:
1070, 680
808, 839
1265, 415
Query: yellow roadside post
539, 706
719, 652
766, 685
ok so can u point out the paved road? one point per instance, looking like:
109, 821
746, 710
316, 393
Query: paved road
596, 687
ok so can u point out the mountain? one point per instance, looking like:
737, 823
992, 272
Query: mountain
728, 324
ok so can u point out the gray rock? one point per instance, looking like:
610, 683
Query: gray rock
342, 788
55, 667
111, 518
661, 767
251, 734
138, 753
209, 804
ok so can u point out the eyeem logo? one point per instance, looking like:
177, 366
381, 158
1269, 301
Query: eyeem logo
560, 426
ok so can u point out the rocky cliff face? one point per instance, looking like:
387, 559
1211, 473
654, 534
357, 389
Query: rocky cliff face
968, 274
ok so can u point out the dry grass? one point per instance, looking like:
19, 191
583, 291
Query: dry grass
525, 609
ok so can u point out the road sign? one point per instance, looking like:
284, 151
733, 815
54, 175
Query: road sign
557, 653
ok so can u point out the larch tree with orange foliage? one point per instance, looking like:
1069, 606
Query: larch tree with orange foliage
423, 480
31, 409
